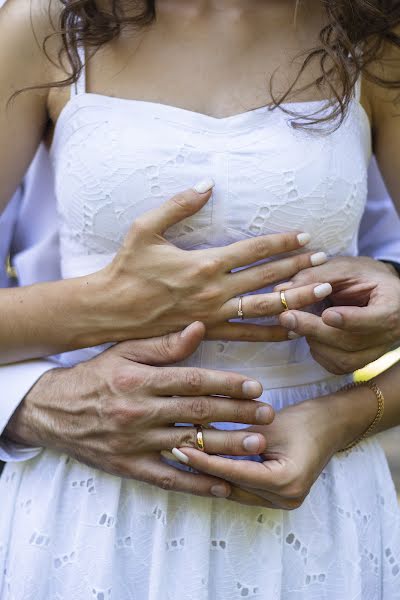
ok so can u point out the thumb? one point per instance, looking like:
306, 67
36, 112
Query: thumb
176, 209
164, 350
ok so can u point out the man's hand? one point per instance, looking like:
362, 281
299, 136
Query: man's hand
116, 412
363, 325
300, 442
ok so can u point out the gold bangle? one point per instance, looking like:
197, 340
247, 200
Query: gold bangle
381, 409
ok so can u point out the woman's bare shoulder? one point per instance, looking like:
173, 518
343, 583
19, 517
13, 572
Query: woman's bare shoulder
28, 34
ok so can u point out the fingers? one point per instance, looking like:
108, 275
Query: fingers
342, 362
178, 208
249, 251
266, 305
259, 276
236, 443
314, 329
189, 381
238, 332
244, 473
164, 350
242, 496
154, 471
372, 319
212, 409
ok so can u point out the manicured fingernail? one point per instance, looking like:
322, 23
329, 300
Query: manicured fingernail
204, 186
333, 318
180, 456
251, 443
288, 320
319, 258
304, 238
292, 335
323, 290
252, 389
167, 454
263, 415
219, 491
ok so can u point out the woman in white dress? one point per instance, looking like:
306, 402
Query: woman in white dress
160, 104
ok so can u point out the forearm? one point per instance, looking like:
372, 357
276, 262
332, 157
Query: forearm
47, 318
352, 411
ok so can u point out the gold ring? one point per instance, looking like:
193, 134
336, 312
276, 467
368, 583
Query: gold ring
240, 308
200, 438
284, 301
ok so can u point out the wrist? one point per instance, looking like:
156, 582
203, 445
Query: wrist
26, 424
347, 414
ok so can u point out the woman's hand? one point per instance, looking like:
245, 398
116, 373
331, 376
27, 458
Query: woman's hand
365, 322
152, 287
300, 442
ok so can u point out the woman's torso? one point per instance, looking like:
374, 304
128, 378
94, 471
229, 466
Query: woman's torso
116, 158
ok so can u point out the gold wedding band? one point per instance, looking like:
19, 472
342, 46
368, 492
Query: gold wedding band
200, 438
284, 301
240, 308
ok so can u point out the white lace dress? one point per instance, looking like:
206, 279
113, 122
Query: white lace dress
70, 532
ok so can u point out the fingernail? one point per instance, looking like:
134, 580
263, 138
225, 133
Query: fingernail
167, 454
292, 335
251, 443
288, 320
323, 290
252, 389
263, 414
204, 186
304, 238
180, 456
219, 491
319, 258
333, 318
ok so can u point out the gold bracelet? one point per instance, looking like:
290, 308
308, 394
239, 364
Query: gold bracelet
381, 409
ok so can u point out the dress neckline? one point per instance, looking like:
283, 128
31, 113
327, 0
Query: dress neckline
185, 117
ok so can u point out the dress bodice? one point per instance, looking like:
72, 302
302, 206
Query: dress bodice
115, 159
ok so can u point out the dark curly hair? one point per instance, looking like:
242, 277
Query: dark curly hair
355, 35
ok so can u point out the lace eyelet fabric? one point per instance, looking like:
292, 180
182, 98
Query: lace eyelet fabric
71, 532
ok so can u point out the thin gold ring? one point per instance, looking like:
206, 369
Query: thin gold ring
284, 301
240, 308
200, 438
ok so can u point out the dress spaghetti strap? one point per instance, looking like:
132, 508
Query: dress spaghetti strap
79, 87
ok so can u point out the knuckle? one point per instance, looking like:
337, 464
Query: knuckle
209, 297
201, 410
269, 273
138, 227
393, 322
288, 242
187, 438
263, 307
125, 379
260, 247
345, 363
193, 380
181, 201
211, 265
167, 482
